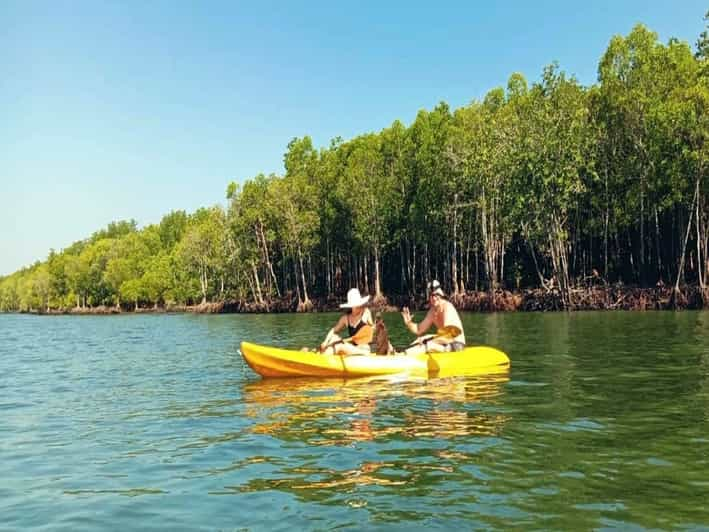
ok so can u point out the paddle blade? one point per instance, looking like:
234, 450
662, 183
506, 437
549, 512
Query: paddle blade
449, 331
364, 335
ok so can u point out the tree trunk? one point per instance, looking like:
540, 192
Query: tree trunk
377, 276
203, 281
560, 262
454, 257
268, 259
606, 218
542, 281
306, 299
491, 243
657, 245
297, 283
328, 268
402, 257
309, 260
641, 266
633, 267
254, 270
686, 238
700, 259
501, 271
412, 262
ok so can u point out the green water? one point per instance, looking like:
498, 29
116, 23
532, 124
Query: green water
155, 422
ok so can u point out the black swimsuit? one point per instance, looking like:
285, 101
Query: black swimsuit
353, 330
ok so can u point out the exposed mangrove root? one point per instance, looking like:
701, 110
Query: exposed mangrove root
611, 297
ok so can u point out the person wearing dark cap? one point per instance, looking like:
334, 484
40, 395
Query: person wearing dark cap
441, 313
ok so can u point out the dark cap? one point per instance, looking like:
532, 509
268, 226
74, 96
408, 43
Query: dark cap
434, 287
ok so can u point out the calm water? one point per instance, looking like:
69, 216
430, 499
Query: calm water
155, 422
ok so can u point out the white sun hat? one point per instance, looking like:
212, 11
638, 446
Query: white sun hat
354, 299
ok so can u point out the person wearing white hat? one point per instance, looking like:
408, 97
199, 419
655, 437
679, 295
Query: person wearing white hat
441, 313
358, 321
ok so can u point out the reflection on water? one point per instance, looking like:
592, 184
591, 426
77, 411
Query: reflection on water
412, 418
366, 474
339, 412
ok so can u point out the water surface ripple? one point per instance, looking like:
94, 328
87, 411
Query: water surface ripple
155, 422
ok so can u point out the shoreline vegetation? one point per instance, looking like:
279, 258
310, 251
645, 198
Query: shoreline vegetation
541, 196
537, 300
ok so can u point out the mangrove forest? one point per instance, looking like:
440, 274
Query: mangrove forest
548, 188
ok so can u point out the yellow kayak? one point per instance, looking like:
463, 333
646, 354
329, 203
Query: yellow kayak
276, 362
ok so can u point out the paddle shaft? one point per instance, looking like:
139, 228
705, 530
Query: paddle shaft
448, 331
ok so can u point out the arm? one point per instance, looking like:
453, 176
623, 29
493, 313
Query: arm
330, 337
341, 324
417, 329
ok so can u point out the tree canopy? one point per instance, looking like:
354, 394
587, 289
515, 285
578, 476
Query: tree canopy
542, 184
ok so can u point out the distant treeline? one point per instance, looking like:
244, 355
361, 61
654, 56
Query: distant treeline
548, 186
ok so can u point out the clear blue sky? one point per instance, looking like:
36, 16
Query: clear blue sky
130, 109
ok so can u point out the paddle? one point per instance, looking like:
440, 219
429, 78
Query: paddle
360, 336
449, 332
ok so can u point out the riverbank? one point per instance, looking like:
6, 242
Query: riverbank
537, 300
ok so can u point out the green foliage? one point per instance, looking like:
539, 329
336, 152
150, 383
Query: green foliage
202, 250
543, 182
115, 230
171, 228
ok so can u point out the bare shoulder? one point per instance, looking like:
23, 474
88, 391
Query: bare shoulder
367, 317
450, 309
450, 306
